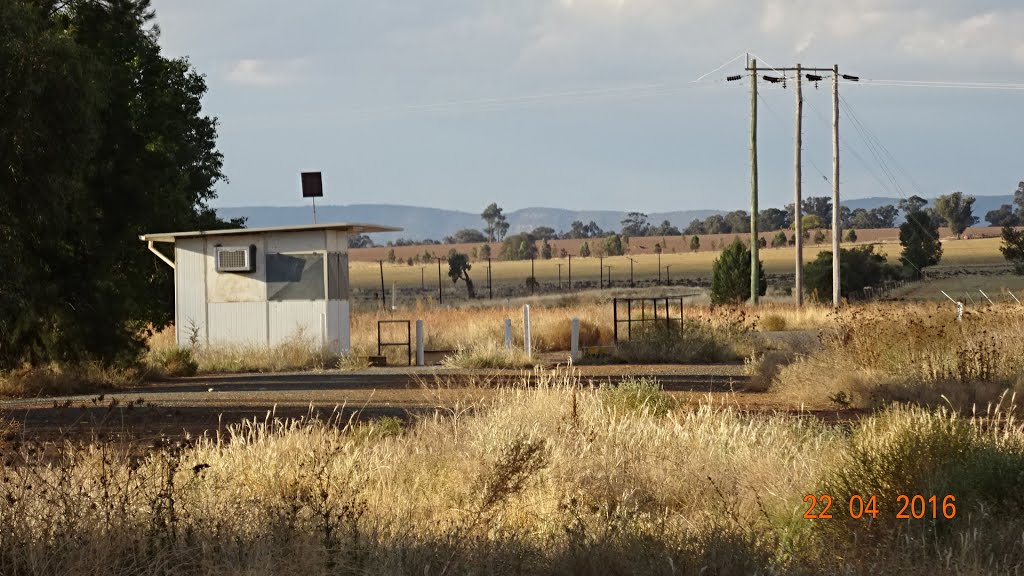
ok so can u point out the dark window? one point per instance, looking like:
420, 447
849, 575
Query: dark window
337, 276
295, 277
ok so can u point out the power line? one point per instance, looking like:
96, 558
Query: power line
811, 160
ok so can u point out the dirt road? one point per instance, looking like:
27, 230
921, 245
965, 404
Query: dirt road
206, 404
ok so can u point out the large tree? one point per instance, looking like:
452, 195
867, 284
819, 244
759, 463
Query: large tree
635, 224
1018, 200
1002, 216
772, 219
957, 210
910, 205
497, 226
1012, 248
130, 152
820, 206
919, 236
458, 268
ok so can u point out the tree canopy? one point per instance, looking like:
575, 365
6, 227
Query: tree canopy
104, 139
919, 236
496, 227
957, 210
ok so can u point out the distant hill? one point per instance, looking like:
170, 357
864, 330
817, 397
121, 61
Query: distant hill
419, 222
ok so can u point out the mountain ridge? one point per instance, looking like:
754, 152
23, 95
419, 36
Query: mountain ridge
420, 222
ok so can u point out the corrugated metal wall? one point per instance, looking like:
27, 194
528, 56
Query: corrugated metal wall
290, 319
190, 291
338, 326
238, 323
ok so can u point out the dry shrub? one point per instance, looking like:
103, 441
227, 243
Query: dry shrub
686, 341
764, 368
772, 323
979, 462
920, 354
486, 357
57, 380
557, 336
297, 353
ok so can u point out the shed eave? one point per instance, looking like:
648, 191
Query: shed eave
354, 228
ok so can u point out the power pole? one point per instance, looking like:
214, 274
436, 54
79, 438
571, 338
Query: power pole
383, 303
440, 293
753, 183
836, 224
798, 195
836, 231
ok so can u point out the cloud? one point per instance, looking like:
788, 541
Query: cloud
267, 73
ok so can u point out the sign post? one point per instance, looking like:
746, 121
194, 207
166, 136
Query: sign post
313, 187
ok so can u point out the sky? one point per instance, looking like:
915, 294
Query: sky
593, 104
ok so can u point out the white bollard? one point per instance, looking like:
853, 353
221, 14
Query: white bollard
508, 334
526, 332
574, 343
419, 343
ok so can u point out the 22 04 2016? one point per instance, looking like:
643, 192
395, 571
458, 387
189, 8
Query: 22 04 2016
907, 507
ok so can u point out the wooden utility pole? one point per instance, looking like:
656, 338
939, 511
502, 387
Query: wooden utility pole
440, 291
836, 228
798, 225
754, 288
383, 299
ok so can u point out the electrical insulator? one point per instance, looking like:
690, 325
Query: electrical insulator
733, 78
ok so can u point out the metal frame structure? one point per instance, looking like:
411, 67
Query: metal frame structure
655, 303
408, 337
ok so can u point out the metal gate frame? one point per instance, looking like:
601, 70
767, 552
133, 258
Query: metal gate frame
629, 320
408, 337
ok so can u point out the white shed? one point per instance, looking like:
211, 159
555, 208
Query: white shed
262, 286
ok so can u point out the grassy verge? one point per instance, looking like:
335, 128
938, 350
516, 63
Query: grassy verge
877, 355
552, 479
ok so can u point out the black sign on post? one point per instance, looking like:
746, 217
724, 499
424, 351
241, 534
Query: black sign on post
312, 187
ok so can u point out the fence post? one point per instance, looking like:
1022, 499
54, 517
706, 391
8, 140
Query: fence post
508, 334
419, 343
526, 331
574, 344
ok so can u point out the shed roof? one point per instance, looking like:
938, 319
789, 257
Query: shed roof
355, 228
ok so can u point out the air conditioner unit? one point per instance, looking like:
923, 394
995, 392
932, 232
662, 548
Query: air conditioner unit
235, 258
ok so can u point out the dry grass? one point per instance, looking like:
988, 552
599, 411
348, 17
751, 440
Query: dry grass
878, 354
552, 479
56, 380
488, 356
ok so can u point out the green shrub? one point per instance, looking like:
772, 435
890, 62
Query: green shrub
639, 395
859, 267
730, 275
